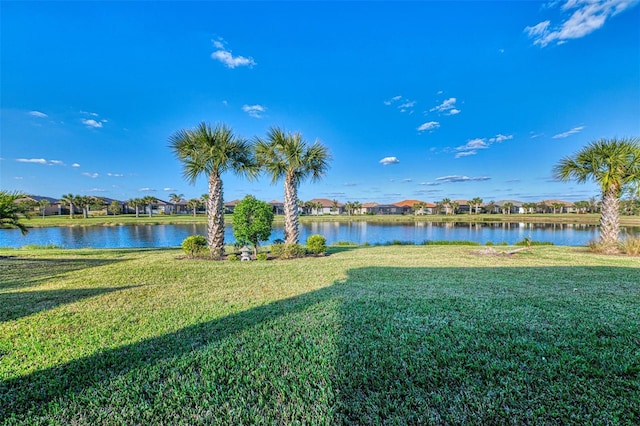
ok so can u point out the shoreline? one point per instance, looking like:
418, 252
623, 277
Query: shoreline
131, 220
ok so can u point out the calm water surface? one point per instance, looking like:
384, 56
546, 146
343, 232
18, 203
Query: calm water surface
144, 236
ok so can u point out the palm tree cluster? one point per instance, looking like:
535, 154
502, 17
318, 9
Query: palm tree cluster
213, 151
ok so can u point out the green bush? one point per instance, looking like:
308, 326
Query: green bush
233, 258
288, 251
194, 245
317, 244
261, 256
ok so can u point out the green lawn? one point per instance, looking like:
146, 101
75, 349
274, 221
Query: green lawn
371, 335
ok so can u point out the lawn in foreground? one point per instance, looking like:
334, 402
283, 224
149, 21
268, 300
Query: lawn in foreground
366, 335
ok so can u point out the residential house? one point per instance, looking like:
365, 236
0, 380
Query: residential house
229, 206
326, 206
278, 207
53, 208
509, 207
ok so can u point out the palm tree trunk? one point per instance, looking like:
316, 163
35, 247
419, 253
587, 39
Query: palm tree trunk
610, 221
215, 217
70, 210
291, 232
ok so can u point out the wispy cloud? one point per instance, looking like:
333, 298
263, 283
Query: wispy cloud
91, 175
447, 107
459, 178
389, 160
92, 123
579, 18
350, 184
401, 103
568, 133
75, 165
431, 125
254, 111
38, 114
147, 190
226, 57
473, 145
40, 161
115, 174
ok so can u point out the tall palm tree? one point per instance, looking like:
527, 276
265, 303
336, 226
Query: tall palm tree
476, 203
211, 152
137, 203
193, 204
287, 156
613, 164
69, 199
149, 201
43, 203
175, 199
357, 206
446, 203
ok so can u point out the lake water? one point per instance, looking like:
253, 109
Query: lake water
144, 236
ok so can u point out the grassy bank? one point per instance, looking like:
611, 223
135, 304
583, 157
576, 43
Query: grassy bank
366, 335
120, 220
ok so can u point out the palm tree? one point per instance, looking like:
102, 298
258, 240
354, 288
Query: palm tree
193, 204
348, 206
175, 199
12, 210
149, 201
287, 156
613, 164
557, 207
212, 152
334, 205
446, 203
357, 205
475, 202
69, 199
136, 203
454, 207
506, 207
43, 203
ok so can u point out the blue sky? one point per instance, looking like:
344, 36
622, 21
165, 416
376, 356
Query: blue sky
415, 100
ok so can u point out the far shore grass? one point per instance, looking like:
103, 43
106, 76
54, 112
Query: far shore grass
123, 220
364, 335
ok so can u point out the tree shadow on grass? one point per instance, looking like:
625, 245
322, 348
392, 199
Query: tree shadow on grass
15, 305
390, 344
22, 272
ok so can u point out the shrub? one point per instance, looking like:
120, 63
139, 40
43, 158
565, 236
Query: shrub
194, 245
630, 246
288, 251
317, 244
252, 222
261, 256
233, 258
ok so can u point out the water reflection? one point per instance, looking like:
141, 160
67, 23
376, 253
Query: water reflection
357, 232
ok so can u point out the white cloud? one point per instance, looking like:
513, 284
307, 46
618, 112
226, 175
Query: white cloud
147, 190
586, 17
223, 55
447, 105
115, 174
93, 114
453, 111
92, 123
568, 133
254, 111
91, 175
169, 189
75, 165
458, 178
38, 114
32, 160
389, 160
500, 138
40, 161
97, 190
431, 125
472, 146
403, 104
